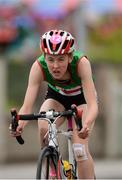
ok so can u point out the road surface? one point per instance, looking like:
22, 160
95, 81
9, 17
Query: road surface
105, 169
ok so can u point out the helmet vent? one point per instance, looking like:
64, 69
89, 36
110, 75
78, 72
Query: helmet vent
65, 44
44, 42
51, 33
57, 47
72, 43
51, 46
62, 33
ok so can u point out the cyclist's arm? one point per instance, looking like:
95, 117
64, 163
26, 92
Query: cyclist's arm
34, 83
85, 73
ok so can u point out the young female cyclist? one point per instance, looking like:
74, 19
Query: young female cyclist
69, 78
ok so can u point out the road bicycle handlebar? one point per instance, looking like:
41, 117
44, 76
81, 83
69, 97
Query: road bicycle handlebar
51, 114
14, 124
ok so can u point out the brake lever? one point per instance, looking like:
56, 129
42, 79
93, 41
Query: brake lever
77, 116
14, 124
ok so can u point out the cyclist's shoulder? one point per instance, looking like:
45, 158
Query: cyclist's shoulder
41, 62
78, 54
36, 67
81, 60
41, 58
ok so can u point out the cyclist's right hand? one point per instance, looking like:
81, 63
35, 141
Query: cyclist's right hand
18, 131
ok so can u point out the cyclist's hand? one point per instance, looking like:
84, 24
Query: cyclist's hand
18, 131
85, 131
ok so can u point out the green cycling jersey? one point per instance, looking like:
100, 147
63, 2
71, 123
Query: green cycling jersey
73, 86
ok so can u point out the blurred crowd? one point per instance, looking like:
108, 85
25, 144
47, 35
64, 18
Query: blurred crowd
16, 24
22, 23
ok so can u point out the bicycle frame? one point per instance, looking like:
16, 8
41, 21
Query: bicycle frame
51, 117
52, 134
53, 139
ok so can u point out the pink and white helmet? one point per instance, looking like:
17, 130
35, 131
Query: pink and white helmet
57, 42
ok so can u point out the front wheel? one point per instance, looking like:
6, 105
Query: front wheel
49, 165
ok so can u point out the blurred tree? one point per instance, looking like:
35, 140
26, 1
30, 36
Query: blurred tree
106, 38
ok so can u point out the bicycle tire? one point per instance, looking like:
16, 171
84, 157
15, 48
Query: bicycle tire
74, 171
49, 157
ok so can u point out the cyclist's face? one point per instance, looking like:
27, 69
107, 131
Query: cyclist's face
57, 65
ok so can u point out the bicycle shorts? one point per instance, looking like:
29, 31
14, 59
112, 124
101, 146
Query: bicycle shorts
66, 101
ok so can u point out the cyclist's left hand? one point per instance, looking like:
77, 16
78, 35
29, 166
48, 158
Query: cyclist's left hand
85, 131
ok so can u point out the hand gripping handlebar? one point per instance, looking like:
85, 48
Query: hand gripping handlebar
14, 124
74, 111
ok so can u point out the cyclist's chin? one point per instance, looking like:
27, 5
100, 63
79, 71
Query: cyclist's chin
57, 76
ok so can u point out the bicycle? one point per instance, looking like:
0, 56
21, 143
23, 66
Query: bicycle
50, 162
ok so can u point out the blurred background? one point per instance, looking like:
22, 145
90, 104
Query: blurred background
97, 27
